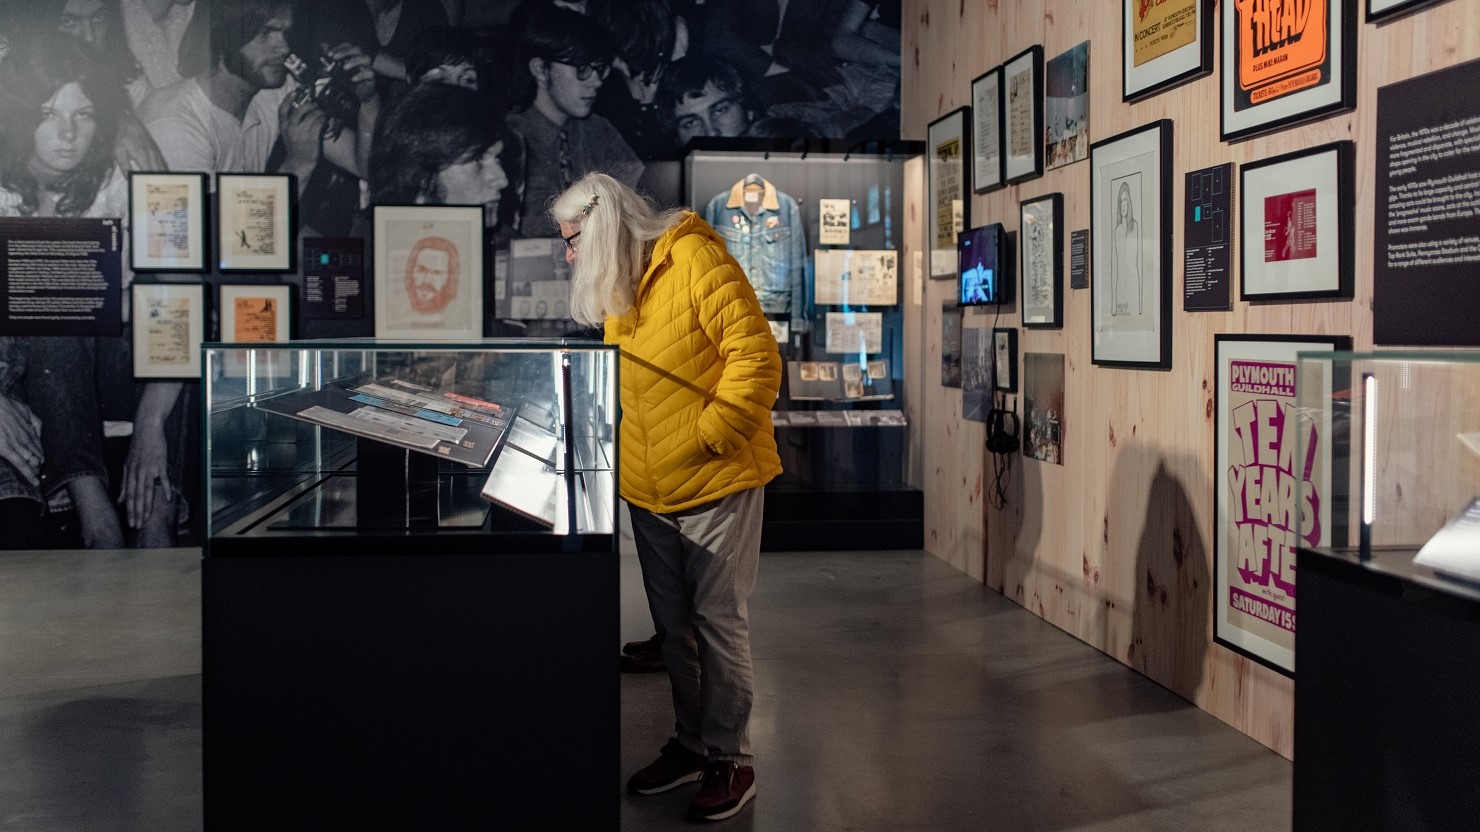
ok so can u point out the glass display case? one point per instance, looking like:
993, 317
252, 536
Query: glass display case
820, 235
1389, 633
361, 439
1405, 432
392, 526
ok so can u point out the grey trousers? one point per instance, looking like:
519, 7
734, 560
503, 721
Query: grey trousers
699, 567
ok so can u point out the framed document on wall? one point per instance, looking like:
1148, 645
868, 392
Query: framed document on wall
256, 219
1264, 445
169, 325
986, 139
169, 222
428, 271
1131, 229
1041, 261
1022, 94
1286, 65
948, 183
1295, 225
255, 313
1163, 45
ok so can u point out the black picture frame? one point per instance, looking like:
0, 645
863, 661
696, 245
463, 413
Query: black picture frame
986, 100
170, 303
1004, 345
1286, 109
1395, 10
1027, 62
940, 249
1132, 344
1166, 71
1332, 456
1035, 244
288, 232
197, 218
1298, 169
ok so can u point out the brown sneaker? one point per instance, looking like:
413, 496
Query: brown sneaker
724, 791
674, 767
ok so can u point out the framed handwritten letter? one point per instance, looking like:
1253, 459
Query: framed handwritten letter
169, 222
255, 215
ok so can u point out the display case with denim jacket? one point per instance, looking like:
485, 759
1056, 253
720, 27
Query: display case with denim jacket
819, 231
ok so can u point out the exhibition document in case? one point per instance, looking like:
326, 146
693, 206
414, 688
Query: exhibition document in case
529, 487
1455, 550
857, 277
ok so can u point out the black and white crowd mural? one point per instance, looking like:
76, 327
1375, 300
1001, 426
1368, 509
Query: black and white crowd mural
483, 102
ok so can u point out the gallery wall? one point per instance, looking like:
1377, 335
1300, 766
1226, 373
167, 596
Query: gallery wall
447, 84
1115, 545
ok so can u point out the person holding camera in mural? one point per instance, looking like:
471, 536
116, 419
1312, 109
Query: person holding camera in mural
228, 117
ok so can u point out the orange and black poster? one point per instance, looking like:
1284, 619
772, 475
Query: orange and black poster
1280, 47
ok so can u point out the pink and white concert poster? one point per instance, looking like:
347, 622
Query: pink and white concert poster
1272, 482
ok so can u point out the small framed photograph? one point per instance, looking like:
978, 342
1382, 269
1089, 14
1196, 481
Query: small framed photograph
1131, 245
256, 218
1387, 9
255, 313
986, 138
852, 372
1278, 73
948, 183
1296, 225
1041, 255
1163, 45
1004, 360
169, 222
852, 388
169, 325
428, 271
1263, 440
1022, 86
1066, 108
878, 369
827, 371
834, 221
808, 370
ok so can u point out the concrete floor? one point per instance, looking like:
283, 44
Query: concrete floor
893, 693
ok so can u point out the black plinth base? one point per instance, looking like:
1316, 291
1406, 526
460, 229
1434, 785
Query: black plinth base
810, 521
1387, 729
413, 691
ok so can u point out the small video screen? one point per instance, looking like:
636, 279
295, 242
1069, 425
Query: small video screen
980, 259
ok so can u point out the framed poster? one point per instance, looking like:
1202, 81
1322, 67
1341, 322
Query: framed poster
948, 211
1163, 45
1296, 225
1022, 95
255, 313
986, 139
1004, 360
1285, 64
1386, 9
428, 271
169, 325
976, 374
256, 220
169, 222
1041, 260
1264, 445
1131, 244
1066, 108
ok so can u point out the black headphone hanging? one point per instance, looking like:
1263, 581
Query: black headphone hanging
1002, 431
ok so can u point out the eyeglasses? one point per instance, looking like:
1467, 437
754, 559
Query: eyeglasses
570, 242
584, 71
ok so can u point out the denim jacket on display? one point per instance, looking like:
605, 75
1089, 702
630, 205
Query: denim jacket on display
12, 366
770, 245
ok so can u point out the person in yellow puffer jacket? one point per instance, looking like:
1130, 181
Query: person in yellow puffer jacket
699, 374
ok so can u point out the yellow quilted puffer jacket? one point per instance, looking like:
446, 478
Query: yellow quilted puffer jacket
700, 371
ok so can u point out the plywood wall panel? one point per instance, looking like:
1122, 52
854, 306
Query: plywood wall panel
1115, 546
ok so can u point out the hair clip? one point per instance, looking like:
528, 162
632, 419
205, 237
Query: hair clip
588, 207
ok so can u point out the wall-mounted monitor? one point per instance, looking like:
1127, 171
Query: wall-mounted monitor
984, 274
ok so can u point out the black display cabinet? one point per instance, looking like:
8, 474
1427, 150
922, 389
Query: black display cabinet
410, 586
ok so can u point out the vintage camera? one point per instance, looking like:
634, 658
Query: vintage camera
326, 83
